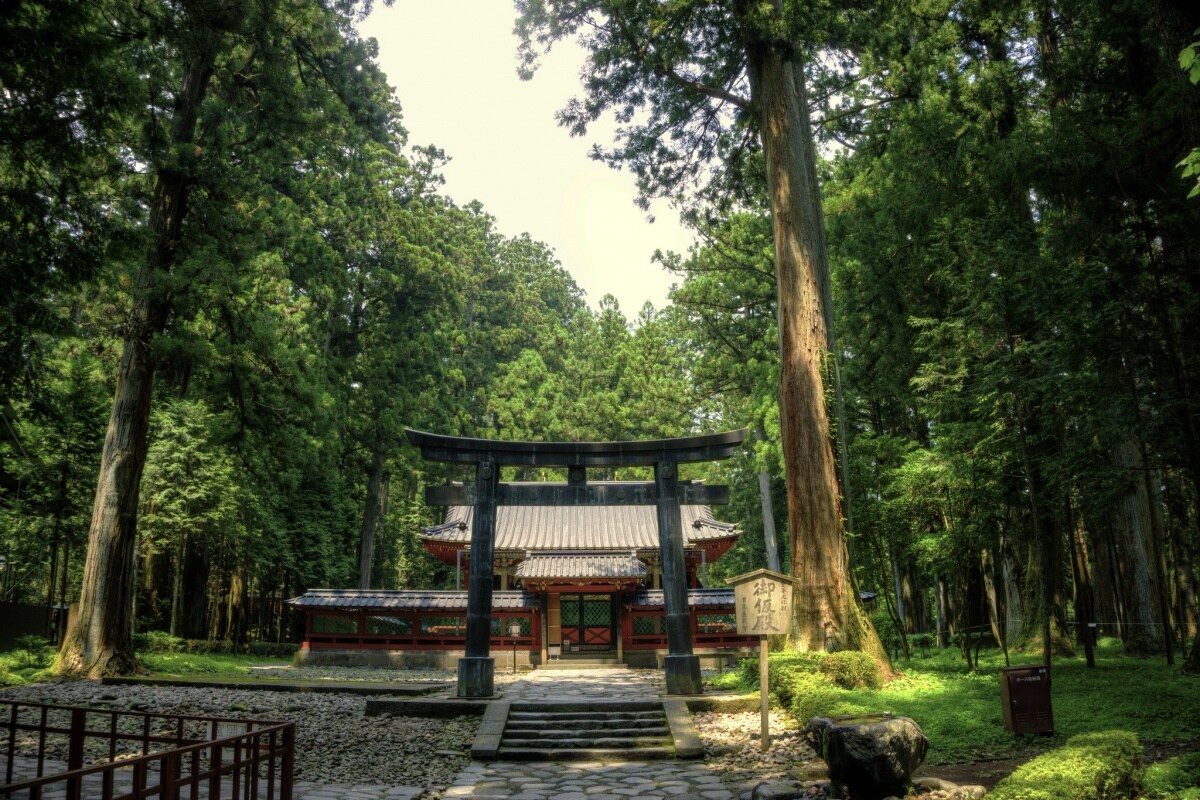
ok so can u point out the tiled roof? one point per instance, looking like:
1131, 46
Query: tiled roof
696, 597
589, 565
384, 598
579, 527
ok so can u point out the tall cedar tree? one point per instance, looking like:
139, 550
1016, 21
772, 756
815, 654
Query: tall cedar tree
693, 81
284, 66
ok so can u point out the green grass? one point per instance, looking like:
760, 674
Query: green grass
1176, 778
32, 661
960, 711
28, 662
1095, 766
172, 665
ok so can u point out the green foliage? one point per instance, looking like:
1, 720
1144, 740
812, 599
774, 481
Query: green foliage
813, 684
33, 653
1189, 61
161, 642
194, 663
1177, 778
853, 669
157, 642
959, 710
1090, 766
813, 695
29, 662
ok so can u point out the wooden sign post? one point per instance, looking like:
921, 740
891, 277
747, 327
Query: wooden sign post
763, 603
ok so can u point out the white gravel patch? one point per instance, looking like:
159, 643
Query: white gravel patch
335, 742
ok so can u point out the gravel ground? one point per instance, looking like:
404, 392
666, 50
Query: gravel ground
731, 746
335, 743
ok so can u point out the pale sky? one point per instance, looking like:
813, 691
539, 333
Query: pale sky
453, 63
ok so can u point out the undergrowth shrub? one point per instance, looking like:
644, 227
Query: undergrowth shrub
28, 662
813, 684
812, 695
272, 649
853, 669
162, 642
1090, 766
33, 653
157, 642
1176, 778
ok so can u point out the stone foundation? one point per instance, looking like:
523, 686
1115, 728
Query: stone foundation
406, 659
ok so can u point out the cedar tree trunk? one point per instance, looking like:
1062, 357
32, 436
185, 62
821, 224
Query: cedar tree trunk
828, 614
101, 641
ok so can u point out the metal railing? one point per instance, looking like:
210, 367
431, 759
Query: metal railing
76, 752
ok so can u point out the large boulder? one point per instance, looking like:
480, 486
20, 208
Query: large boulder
870, 757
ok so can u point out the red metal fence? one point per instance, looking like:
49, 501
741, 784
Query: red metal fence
119, 755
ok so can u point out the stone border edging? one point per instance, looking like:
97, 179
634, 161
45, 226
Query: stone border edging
338, 687
683, 732
438, 709
486, 746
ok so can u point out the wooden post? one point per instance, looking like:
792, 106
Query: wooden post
763, 606
619, 627
764, 702
476, 669
681, 664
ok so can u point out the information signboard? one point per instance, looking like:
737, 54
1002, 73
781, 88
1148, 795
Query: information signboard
763, 604
763, 600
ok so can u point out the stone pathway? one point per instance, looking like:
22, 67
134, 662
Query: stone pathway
609, 683
587, 781
561, 780
584, 780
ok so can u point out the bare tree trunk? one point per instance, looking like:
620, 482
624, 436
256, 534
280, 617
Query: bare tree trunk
100, 643
1110, 594
1081, 573
1012, 610
1157, 556
993, 595
943, 612
1142, 634
768, 513
828, 614
902, 616
366, 534
177, 587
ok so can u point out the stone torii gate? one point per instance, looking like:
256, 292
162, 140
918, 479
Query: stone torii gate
476, 670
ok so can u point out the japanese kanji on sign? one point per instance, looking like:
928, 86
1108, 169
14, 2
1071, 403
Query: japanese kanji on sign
763, 600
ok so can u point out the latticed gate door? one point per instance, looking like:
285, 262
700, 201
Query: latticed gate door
587, 618
597, 619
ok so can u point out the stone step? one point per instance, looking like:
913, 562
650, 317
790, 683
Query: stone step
582, 716
585, 754
586, 706
585, 733
588, 743
533, 725
589, 662
587, 730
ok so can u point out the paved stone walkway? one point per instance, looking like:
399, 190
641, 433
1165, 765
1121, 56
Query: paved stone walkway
588, 781
600, 683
